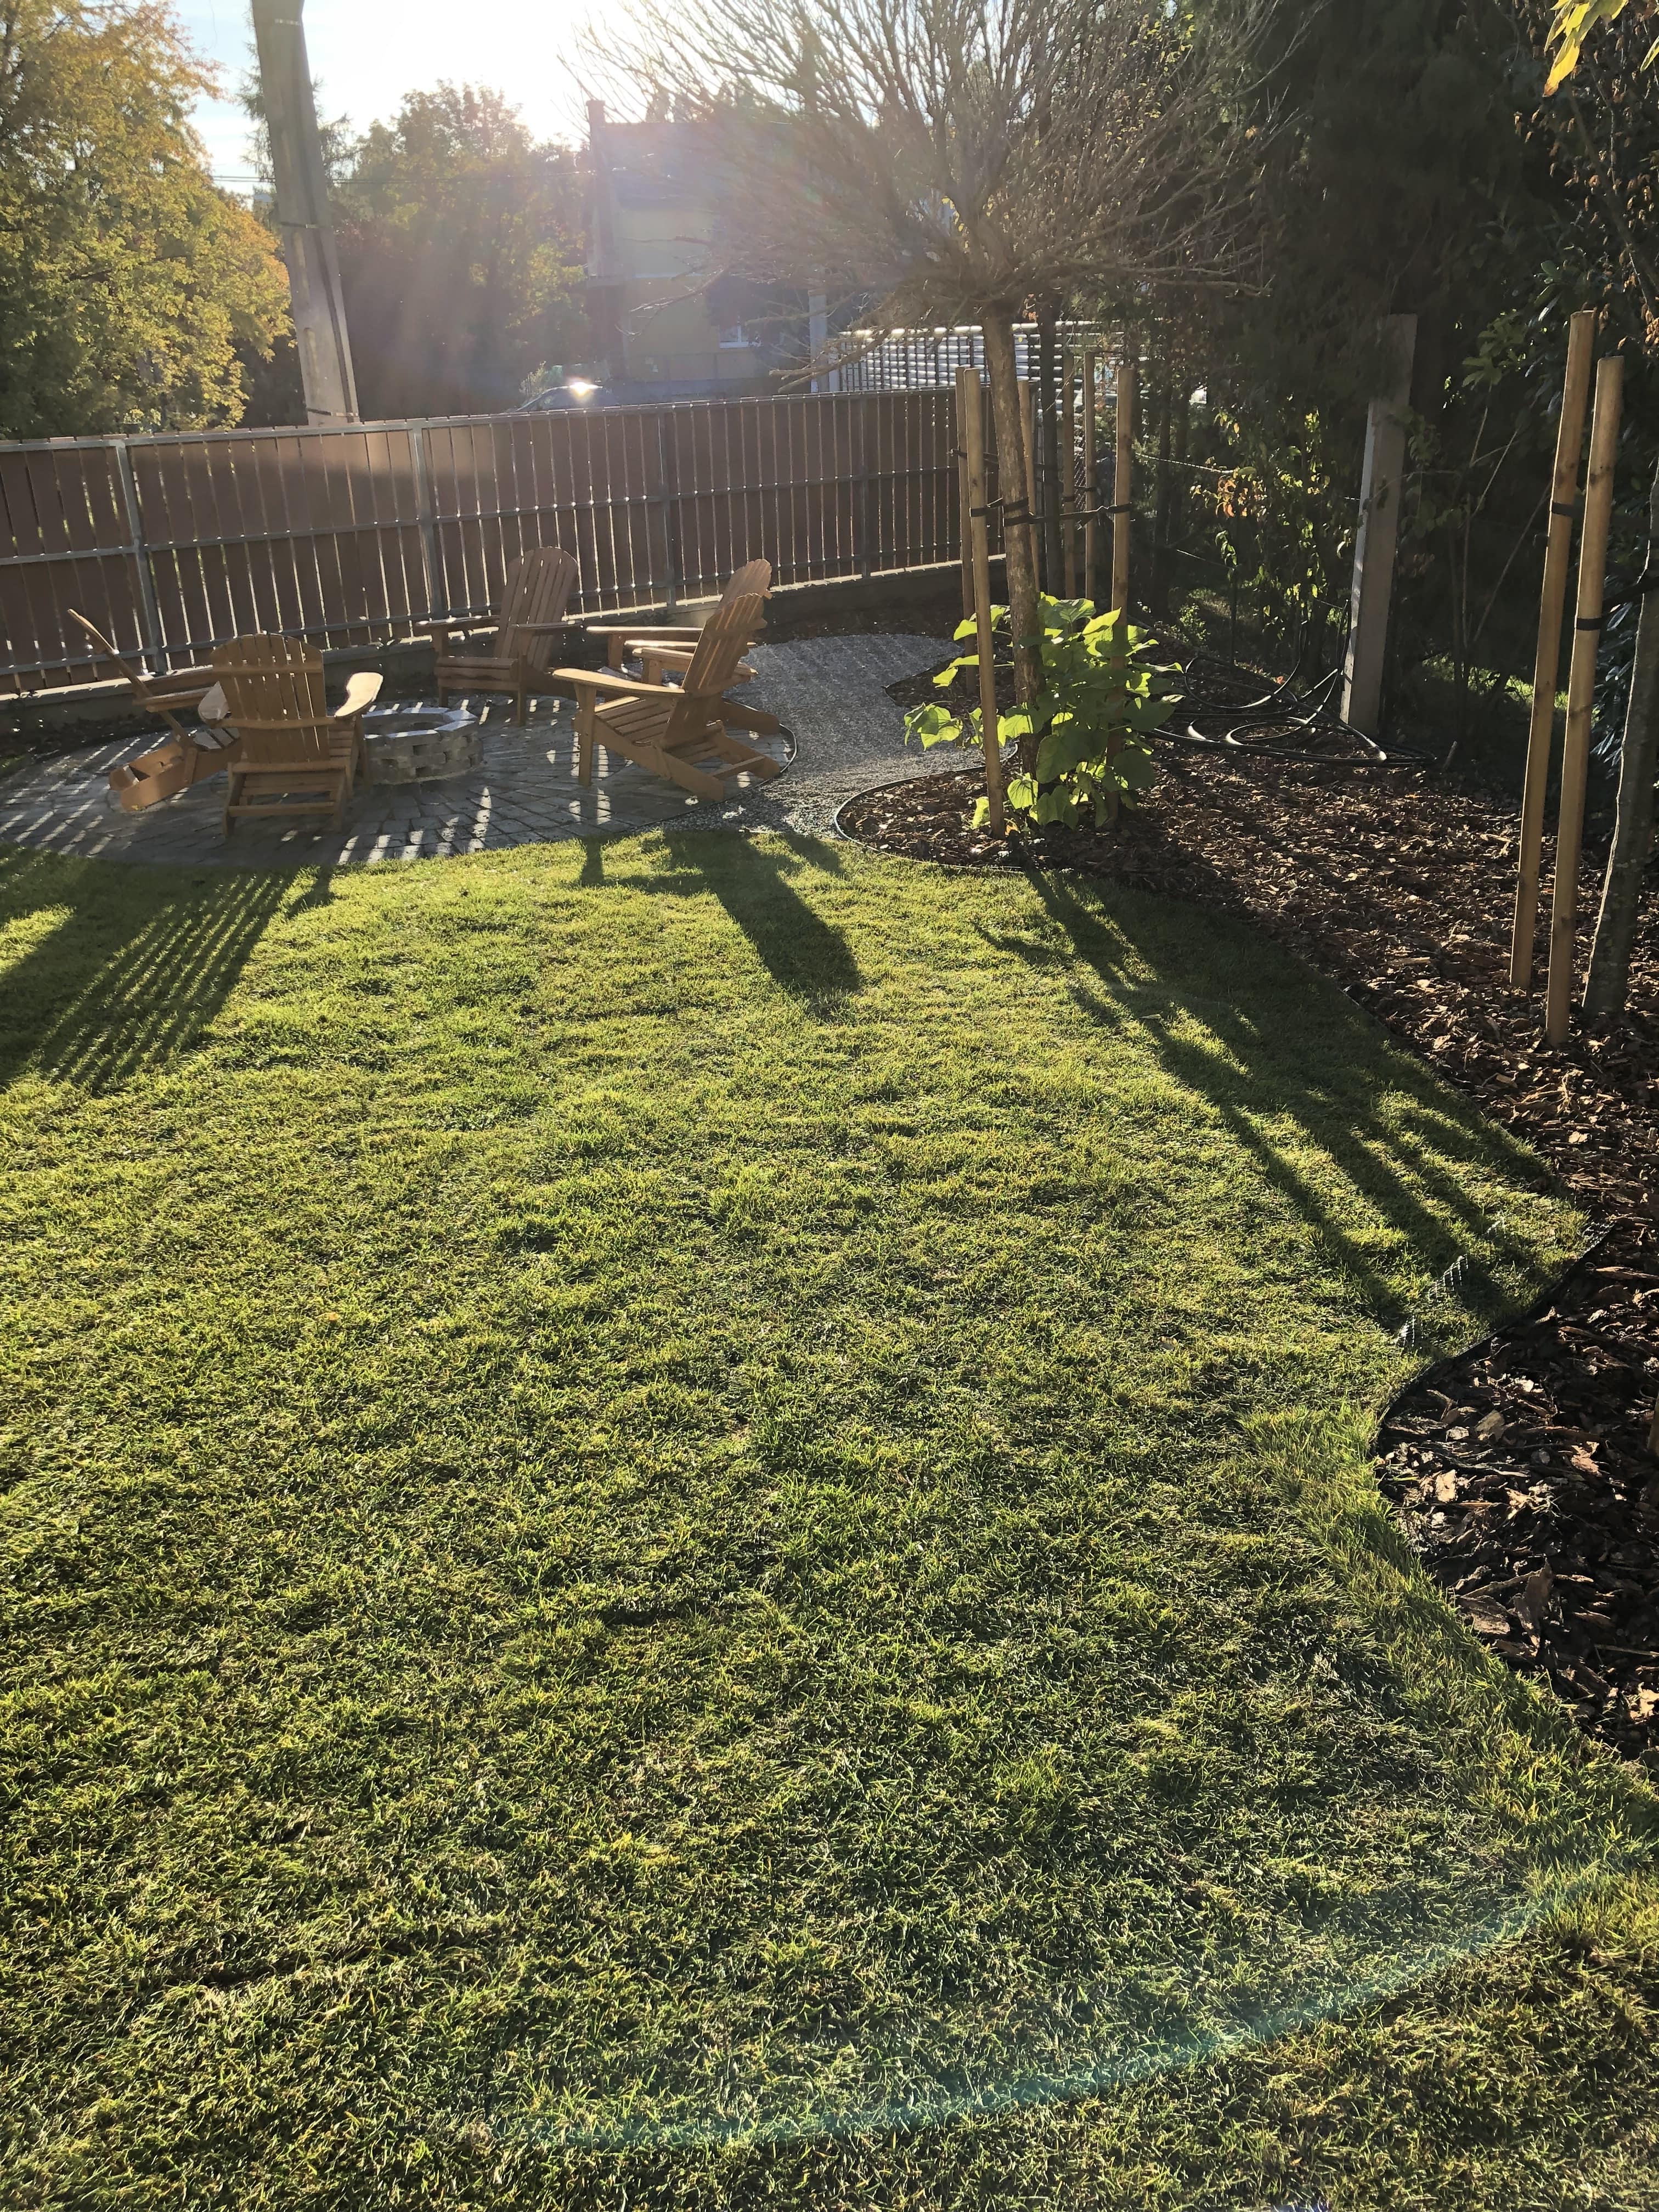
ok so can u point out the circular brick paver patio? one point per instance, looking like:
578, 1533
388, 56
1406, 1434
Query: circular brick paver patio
830, 692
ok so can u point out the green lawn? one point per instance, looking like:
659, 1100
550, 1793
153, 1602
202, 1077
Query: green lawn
688, 1524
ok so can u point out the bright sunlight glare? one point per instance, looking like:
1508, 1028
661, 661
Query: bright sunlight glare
367, 54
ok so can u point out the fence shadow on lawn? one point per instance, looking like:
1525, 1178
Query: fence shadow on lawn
141, 962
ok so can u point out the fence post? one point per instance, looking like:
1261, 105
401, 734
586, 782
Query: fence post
150, 612
423, 518
669, 475
1379, 533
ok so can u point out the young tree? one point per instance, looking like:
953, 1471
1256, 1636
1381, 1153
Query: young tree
1606, 986
458, 253
958, 160
1574, 21
127, 282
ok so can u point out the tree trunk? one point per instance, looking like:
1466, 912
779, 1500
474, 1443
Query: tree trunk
1024, 616
1608, 983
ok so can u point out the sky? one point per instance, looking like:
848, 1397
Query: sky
367, 54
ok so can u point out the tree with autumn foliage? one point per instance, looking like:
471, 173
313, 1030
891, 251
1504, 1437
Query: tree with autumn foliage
460, 238
131, 290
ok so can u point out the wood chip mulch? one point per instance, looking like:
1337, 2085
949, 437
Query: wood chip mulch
1521, 1472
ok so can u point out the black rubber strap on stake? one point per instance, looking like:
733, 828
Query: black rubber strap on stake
1647, 582
1590, 622
1568, 511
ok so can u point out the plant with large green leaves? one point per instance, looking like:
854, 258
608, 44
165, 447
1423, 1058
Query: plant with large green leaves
1082, 740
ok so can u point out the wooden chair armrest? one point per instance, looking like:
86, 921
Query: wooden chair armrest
673, 656
606, 679
245, 723
361, 690
439, 631
541, 629
649, 629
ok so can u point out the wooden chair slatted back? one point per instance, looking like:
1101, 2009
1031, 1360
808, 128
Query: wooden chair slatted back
539, 588
725, 639
275, 700
753, 576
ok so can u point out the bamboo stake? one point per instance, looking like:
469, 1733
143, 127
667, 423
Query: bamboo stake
1123, 481
1557, 556
1581, 691
964, 497
1028, 417
1068, 468
1089, 472
970, 412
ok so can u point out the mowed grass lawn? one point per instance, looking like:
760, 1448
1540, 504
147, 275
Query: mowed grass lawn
687, 1522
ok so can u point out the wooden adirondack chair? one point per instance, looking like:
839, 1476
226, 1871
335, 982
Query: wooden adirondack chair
666, 650
539, 588
623, 639
179, 763
676, 731
292, 756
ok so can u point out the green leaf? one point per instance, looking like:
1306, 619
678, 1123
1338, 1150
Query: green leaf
933, 725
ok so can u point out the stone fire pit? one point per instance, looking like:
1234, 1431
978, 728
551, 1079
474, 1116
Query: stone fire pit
416, 745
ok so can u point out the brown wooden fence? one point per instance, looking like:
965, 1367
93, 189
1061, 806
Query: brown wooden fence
173, 543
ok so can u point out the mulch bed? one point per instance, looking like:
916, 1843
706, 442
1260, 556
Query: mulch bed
1521, 1472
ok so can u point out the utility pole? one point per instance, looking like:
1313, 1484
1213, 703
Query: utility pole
302, 213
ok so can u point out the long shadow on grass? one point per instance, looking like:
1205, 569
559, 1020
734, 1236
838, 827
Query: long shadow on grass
803, 954
1254, 1077
139, 965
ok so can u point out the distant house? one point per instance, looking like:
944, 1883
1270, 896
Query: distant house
666, 322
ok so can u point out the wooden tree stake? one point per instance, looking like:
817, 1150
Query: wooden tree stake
964, 497
1558, 559
1581, 691
1089, 472
1123, 480
971, 414
1068, 467
1028, 418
